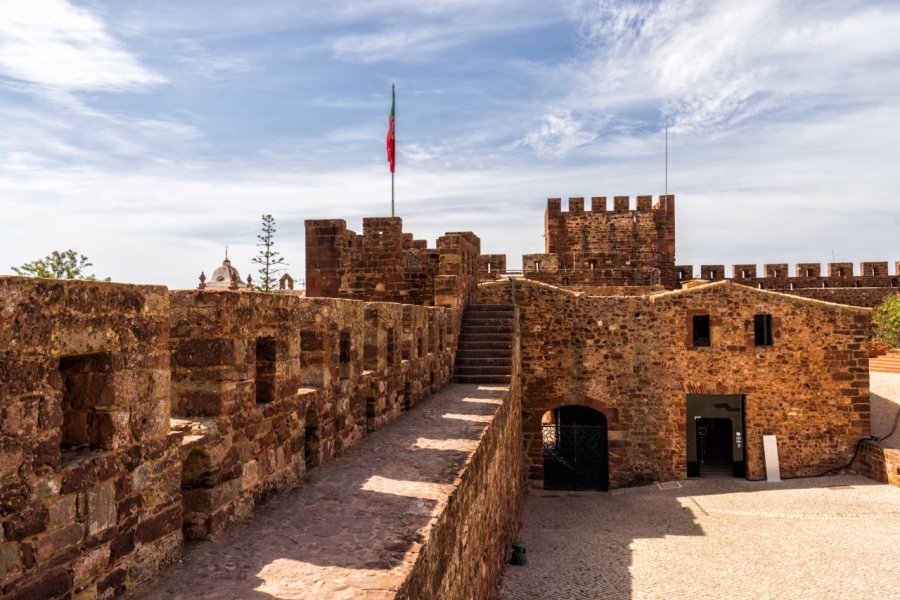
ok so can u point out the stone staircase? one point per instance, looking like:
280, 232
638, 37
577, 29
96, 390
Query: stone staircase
484, 353
887, 363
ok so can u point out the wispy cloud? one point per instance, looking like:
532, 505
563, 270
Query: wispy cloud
55, 44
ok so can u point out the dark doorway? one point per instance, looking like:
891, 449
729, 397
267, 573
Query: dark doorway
576, 451
714, 446
715, 435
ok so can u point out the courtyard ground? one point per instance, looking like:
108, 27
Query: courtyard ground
830, 537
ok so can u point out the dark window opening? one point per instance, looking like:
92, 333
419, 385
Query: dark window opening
893, 283
592, 264
265, 370
537, 265
311, 439
809, 273
700, 331
490, 268
344, 355
88, 395
421, 345
391, 350
840, 272
762, 330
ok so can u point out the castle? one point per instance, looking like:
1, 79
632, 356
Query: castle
136, 417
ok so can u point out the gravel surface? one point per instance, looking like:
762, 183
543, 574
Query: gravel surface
713, 539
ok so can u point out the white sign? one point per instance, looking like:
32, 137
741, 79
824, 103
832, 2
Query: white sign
770, 447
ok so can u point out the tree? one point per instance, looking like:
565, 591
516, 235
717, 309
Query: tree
886, 321
268, 257
58, 265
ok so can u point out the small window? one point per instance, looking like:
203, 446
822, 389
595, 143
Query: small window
88, 394
265, 370
344, 356
701, 331
809, 273
537, 265
592, 264
390, 346
490, 268
762, 330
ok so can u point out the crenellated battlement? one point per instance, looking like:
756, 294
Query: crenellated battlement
808, 279
838, 271
620, 204
384, 263
633, 237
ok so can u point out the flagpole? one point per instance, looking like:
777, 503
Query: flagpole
394, 125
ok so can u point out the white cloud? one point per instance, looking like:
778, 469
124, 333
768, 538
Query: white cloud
55, 44
558, 134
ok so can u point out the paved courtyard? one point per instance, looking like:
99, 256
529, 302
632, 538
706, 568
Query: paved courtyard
830, 537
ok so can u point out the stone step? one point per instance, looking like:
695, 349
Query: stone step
487, 361
489, 314
481, 379
479, 370
488, 322
480, 348
480, 329
489, 307
481, 344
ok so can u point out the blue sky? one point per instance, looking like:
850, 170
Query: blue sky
149, 135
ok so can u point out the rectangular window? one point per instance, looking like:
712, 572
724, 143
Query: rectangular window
265, 370
762, 330
87, 395
345, 354
700, 331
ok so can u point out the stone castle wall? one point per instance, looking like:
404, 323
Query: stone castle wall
631, 359
273, 385
99, 486
601, 247
879, 463
89, 470
839, 284
387, 265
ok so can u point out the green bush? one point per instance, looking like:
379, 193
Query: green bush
886, 321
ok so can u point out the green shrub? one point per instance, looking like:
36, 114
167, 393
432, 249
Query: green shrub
886, 321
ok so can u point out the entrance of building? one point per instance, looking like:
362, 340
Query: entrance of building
576, 450
715, 435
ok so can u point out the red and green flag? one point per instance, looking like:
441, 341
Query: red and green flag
391, 142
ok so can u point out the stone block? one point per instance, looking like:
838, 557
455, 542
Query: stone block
90, 565
25, 523
9, 559
62, 511
59, 541
101, 507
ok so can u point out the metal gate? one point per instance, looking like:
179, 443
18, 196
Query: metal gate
576, 457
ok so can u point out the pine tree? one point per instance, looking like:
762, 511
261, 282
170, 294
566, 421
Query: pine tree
268, 257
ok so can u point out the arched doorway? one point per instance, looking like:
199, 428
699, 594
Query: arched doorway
311, 438
576, 451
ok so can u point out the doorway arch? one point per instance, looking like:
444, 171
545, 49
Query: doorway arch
575, 449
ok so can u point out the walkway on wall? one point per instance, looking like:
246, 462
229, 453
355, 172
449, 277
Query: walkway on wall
355, 529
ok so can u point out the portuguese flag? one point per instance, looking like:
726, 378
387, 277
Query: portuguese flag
391, 142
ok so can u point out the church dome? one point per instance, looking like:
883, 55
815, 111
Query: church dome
225, 276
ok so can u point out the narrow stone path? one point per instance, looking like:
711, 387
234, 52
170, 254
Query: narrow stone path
355, 528
828, 537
